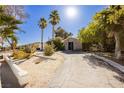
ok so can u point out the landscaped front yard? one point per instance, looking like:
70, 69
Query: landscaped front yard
41, 69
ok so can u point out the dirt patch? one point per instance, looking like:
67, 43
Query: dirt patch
41, 70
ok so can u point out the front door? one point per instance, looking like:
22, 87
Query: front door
70, 45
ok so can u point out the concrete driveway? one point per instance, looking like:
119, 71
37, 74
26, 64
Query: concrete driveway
80, 70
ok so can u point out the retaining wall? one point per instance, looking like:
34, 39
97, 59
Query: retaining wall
112, 63
18, 72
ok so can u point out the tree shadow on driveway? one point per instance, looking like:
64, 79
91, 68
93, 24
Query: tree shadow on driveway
45, 58
94, 63
72, 52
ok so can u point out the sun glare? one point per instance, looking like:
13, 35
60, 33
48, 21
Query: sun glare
71, 12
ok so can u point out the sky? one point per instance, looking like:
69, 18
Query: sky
72, 20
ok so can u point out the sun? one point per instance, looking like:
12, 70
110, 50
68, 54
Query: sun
71, 12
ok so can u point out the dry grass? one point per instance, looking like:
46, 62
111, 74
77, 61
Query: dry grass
40, 71
18, 54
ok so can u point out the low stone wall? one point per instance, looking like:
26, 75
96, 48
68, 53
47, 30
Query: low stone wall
18, 72
110, 62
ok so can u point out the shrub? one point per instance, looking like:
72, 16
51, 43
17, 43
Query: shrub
18, 54
48, 50
49, 42
27, 49
30, 49
24, 52
33, 48
58, 43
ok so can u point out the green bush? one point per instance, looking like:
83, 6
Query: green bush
58, 43
48, 50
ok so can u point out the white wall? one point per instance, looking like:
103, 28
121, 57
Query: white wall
76, 43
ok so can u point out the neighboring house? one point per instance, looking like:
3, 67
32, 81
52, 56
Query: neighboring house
72, 44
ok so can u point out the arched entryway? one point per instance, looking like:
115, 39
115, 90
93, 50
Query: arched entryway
70, 46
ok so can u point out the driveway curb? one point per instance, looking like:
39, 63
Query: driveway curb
110, 62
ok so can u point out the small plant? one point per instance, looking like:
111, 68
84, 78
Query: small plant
48, 50
18, 54
33, 48
30, 49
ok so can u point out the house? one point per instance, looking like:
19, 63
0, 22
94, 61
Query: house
72, 43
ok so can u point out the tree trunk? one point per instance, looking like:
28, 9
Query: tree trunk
14, 45
11, 44
42, 40
53, 32
117, 45
53, 35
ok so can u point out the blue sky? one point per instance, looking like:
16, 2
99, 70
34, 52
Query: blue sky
33, 32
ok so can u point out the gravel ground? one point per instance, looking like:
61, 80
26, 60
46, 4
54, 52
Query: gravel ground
82, 71
41, 69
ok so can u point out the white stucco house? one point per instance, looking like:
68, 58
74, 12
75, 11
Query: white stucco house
72, 43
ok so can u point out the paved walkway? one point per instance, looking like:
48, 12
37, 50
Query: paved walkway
8, 79
80, 71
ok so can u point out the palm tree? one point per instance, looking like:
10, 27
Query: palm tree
54, 20
42, 25
9, 26
9, 21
